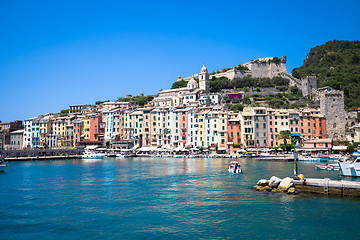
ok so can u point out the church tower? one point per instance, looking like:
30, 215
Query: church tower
204, 79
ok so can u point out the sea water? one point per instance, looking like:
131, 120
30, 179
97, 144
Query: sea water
166, 198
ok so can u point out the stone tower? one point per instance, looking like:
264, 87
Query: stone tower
204, 79
307, 85
332, 107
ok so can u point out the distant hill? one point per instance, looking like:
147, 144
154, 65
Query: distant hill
335, 64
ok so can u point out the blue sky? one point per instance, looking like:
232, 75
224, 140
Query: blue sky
58, 53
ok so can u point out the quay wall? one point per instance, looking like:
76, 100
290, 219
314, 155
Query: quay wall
328, 187
33, 153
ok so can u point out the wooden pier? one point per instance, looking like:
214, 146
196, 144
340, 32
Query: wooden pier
328, 187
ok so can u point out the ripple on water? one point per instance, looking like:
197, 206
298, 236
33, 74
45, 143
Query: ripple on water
164, 198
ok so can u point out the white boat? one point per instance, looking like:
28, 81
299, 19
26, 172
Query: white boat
92, 155
313, 159
350, 168
234, 167
356, 154
3, 166
120, 155
329, 167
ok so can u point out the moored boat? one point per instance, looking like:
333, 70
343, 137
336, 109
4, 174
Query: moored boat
313, 159
250, 155
93, 155
329, 167
350, 168
3, 164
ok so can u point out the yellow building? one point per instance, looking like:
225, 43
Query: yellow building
282, 123
85, 134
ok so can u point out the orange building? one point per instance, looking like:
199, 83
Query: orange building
312, 124
234, 135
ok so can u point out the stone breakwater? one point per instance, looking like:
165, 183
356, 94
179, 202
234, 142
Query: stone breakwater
275, 184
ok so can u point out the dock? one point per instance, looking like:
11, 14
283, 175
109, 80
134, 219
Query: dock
35, 158
275, 158
328, 187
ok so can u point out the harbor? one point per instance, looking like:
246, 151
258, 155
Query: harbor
140, 196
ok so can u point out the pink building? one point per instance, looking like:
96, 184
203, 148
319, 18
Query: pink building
319, 144
184, 125
77, 132
271, 128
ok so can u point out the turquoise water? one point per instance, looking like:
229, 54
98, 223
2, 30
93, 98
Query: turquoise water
154, 198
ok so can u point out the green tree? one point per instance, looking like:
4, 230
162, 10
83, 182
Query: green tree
179, 84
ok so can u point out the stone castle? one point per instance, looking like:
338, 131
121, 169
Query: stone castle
260, 68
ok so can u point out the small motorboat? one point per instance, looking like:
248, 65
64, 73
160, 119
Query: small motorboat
93, 155
120, 155
350, 168
234, 167
250, 155
329, 167
313, 159
3, 164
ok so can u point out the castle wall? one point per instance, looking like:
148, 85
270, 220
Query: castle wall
266, 69
230, 74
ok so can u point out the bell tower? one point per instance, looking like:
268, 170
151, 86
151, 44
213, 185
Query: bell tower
204, 79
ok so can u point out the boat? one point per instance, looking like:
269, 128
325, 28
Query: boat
336, 156
329, 167
356, 154
250, 155
3, 166
350, 168
313, 159
234, 167
92, 155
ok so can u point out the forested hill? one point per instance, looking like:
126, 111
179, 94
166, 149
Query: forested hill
335, 64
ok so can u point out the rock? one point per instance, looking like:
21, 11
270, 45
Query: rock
274, 182
285, 184
267, 188
275, 190
257, 187
291, 190
263, 182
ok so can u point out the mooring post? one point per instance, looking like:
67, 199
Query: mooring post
326, 186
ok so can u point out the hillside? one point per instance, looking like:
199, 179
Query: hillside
335, 64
